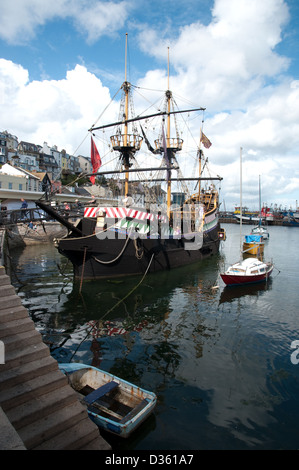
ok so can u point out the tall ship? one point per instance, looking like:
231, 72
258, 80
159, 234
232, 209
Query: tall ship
165, 230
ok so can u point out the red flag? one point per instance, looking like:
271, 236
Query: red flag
95, 160
206, 143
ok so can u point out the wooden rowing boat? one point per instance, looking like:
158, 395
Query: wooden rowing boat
112, 403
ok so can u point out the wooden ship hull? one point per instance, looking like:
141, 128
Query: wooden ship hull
115, 251
128, 256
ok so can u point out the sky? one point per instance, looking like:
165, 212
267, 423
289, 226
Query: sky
62, 62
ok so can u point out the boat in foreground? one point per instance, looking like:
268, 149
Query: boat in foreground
247, 271
114, 404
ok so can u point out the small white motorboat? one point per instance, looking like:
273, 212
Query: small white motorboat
247, 271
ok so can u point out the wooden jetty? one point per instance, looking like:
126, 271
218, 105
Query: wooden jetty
38, 408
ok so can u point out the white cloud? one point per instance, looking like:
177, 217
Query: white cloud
98, 18
59, 112
230, 66
21, 19
12, 76
237, 47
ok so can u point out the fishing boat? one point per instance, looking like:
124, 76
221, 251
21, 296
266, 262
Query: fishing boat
249, 270
114, 404
246, 215
133, 238
253, 245
267, 214
290, 219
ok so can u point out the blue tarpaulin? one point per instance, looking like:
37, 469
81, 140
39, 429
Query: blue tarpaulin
253, 238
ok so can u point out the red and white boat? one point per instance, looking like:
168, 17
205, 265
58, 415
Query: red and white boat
267, 214
247, 271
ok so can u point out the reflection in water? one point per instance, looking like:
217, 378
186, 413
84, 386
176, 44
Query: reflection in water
218, 358
229, 293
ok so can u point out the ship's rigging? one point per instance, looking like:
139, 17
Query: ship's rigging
129, 237
134, 138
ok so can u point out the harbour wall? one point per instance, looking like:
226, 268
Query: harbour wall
38, 408
233, 220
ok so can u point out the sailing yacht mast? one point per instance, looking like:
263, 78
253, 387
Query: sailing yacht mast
241, 209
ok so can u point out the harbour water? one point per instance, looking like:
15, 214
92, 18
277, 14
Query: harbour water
221, 360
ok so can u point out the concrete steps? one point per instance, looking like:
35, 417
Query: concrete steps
37, 405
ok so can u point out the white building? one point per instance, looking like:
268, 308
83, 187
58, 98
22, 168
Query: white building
85, 164
16, 179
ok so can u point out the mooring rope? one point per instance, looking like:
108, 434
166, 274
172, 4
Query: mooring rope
115, 259
138, 251
116, 305
83, 267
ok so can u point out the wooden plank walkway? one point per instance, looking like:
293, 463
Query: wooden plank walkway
43, 410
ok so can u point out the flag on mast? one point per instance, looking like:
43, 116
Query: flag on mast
205, 141
95, 160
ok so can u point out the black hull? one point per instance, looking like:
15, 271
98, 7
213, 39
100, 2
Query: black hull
95, 259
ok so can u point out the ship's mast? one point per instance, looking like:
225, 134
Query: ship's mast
199, 164
168, 96
127, 144
199, 172
126, 90
172, 144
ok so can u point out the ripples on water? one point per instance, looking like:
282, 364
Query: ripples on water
218, 358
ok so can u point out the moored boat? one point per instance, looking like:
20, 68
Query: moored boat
290, 219
115, 405
247, 271
260, 230
267, 214
246, 217
253, 245
33, 233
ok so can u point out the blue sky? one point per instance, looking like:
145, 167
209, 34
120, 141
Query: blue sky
61, 62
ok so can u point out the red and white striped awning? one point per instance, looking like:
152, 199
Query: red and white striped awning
120, 213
